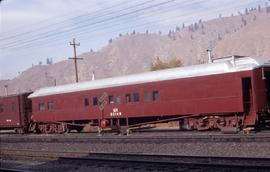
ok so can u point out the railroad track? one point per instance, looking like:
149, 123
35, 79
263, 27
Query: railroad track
39, 154
12, 170
86, 138
142, 161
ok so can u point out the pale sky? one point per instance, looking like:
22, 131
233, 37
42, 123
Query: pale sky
33, 30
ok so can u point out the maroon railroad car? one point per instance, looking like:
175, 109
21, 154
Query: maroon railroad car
15, 111
231, 92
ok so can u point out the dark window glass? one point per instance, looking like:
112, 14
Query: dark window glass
111, 100
1, 108
86, 101
147, 96
95, 101
118, 100
13, 107
155, 95
41, 107
136, 97
128, 98
50, 106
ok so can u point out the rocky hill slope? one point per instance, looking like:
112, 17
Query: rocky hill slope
245, 34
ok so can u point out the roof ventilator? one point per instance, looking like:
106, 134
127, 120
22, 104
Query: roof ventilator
233, 58
209, 56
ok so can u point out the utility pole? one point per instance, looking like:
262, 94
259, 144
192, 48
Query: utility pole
75, 58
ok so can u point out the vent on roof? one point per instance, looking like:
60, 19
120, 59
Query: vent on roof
209, 56
228, 57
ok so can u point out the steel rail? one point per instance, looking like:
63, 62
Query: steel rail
193, 162
12, 170
136, 139
144, 159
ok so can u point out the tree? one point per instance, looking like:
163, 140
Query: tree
196, 27
259, 8
219, 37
252, 9
47, 61
170, 34
254, 17
174, 62
267, 9
202, 26
246, 11
244, 21
190, 28
110, 41
159, 64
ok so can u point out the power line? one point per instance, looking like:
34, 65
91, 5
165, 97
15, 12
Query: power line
48, 20
59, 23
128, 20
149, 22
96, 16
68, 30
86, 25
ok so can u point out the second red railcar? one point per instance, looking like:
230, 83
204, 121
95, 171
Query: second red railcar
15, 112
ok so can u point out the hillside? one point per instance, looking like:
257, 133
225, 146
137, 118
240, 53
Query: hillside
246, 34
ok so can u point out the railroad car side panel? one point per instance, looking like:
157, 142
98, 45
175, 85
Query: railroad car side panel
10, 112
201, 95
198, 95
